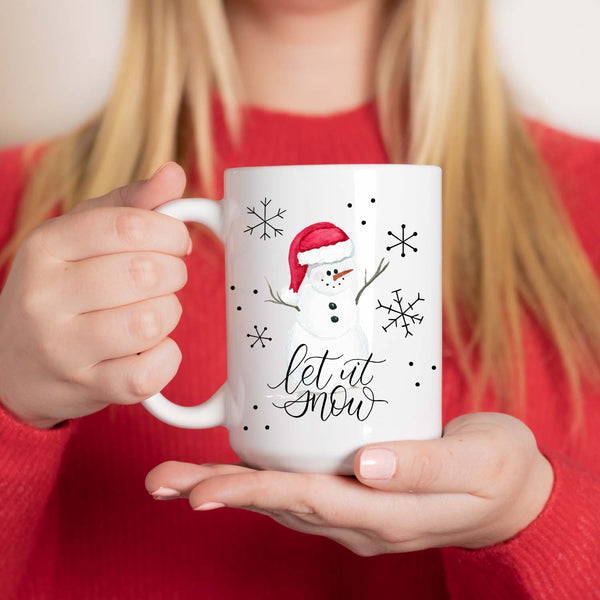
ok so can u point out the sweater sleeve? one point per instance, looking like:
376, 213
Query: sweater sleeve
30, 458
555, 557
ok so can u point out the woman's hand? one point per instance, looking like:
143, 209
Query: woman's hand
478, 485
89, 303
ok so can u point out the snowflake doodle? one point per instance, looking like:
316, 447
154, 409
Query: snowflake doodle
402, 241
400, 311
264, 221
259, 336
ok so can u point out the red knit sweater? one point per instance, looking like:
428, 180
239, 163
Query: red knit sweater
76, 521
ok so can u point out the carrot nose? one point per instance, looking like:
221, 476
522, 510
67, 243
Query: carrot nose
336, 277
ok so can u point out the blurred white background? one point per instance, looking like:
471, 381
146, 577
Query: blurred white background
59, 58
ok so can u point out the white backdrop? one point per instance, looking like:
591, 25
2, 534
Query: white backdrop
59, 58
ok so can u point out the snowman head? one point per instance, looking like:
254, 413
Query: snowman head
321, 256
331, 278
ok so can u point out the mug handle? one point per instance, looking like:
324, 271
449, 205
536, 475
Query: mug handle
212, 412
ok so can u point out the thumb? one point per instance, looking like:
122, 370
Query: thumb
165, 184
459, 462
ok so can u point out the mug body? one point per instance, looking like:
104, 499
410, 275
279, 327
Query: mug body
334, 311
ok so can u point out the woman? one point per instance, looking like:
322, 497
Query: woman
502, 506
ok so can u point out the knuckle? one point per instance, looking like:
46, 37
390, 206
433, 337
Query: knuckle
34, 243
146, 324
143, 272
141, 383
130, 228
419, 470
33, 301
182, 273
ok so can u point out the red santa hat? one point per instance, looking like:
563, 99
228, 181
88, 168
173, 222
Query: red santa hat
317, 243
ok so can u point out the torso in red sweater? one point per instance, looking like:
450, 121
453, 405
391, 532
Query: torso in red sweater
76, 521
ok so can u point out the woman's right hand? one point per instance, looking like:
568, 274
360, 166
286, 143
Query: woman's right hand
89, 303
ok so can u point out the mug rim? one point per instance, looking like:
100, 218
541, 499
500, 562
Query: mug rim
336, 165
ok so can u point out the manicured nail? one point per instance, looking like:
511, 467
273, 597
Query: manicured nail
165, 493
189, 250
158, 170
209, 506
377, 463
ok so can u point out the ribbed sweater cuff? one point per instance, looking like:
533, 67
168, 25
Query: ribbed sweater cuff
554, 557
29, 462
29, 454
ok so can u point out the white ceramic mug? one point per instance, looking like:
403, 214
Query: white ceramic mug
334, 312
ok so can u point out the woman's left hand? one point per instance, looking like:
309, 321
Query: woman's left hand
480, 484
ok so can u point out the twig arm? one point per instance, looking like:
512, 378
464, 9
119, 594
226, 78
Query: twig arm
380, 269
276, 298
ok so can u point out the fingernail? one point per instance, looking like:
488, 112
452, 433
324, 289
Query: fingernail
189, 250
377, 463
165, 493
158, 170
209, 506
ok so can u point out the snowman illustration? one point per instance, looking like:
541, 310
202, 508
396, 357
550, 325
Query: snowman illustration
324, 292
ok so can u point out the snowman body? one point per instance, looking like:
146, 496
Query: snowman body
327, 319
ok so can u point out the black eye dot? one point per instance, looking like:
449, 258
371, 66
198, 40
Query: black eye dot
255, 291
335, 271
349, 204
328, 272
373, 200
232, 287
363, 222
245, 427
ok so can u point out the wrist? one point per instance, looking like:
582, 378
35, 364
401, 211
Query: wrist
38, 422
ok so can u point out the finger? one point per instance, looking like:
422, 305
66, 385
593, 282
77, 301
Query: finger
173, 479
126, 330
330, 499
104, 230
463, 460
104, 282
165, 184
131, 379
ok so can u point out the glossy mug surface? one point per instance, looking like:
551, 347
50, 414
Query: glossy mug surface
334, 312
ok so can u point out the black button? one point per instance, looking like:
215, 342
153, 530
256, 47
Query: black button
332, 305
334, 319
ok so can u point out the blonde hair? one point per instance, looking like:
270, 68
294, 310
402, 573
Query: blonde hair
441, 100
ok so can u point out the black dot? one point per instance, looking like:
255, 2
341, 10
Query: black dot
255, 407
332, 305
266, 427
349, 204
389, 233
245, 427
239, 308
411, 363
363, 222
373, 200
232, 287
417, 384
433, 367
335, 319
255, 291
388, 248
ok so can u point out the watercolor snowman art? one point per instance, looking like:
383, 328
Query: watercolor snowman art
324, 292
